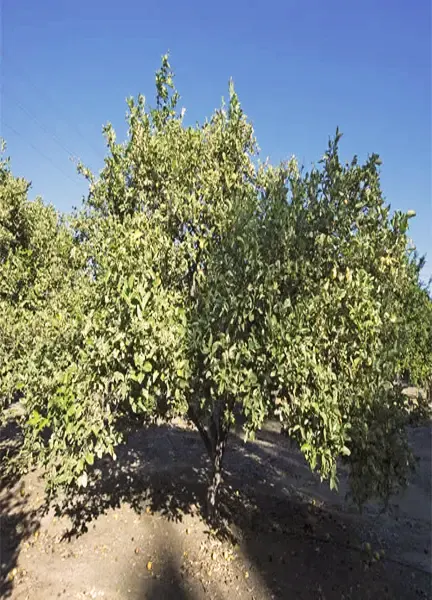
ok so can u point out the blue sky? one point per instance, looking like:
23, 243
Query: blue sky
301, 67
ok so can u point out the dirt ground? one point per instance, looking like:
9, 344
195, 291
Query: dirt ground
137, 531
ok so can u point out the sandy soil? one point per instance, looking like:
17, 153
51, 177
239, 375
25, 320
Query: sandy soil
137, 531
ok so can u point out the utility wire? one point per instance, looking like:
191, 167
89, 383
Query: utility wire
45, 156
45, 129
53, 104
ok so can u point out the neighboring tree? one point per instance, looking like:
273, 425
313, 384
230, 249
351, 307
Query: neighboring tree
416, 361
209, 286
34, 248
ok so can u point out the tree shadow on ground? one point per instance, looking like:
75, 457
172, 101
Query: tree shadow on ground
169, 586
148, 474
17, 520
170, 582
294, 547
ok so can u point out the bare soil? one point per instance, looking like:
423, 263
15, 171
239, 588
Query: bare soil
137, 531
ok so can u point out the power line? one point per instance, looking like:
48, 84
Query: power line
45, 156
44, 128
54, 105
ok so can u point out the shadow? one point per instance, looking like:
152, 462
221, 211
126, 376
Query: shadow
306, 548
298, 540
169, 585
147, 475
17, 520
170, 582
10, 440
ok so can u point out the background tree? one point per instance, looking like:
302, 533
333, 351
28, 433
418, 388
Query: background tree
35, 244
416, 362
207, 285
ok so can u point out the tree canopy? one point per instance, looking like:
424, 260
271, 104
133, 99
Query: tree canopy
198, 281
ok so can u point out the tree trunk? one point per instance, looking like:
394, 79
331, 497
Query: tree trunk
216, 479
215, 438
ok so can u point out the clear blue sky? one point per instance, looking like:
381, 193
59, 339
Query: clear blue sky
301, 67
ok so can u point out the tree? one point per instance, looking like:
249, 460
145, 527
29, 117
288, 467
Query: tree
206, 284
34, 247
416, 361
